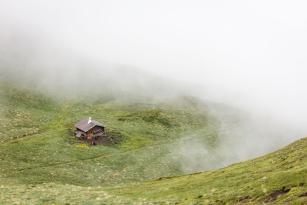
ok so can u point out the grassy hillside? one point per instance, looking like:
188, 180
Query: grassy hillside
279, 178
42, 163
38, 146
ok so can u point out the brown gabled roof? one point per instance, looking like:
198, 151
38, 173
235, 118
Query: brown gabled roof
84, 126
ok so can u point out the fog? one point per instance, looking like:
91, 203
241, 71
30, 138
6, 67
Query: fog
247, 54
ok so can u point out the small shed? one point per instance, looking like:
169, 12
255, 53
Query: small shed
91, 131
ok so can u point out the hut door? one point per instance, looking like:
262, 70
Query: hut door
90, 135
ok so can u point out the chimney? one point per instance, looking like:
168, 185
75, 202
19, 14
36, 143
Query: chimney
89, 120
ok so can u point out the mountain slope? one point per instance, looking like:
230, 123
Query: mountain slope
42, 163
277, 178
38, 145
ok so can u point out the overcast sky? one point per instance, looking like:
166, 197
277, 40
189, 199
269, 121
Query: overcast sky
249, 53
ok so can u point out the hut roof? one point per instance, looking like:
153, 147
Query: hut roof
85, 125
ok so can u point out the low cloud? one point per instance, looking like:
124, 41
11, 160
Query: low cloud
247, 55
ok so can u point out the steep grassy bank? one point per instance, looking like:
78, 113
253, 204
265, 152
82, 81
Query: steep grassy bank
279, 178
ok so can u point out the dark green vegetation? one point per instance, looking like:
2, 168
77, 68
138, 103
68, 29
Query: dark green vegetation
42, 163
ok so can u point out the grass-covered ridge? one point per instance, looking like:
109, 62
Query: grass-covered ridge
278, 178
42, 163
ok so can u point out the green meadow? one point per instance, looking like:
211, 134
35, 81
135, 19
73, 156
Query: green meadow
41, 162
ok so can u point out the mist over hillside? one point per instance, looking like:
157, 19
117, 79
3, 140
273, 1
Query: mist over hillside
47, 68
251, 59
53, 70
